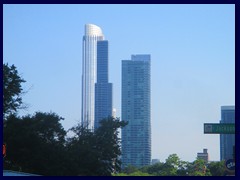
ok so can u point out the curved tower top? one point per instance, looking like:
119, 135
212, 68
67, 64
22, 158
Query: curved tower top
92, 29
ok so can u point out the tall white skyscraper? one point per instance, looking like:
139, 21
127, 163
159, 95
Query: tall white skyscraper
93, 34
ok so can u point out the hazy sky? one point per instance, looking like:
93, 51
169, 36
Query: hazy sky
192, 51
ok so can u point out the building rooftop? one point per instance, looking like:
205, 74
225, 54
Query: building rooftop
141, 57
92, 29
227, 107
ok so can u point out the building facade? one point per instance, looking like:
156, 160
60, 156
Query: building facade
103, 89
227, 141
136, 136
93, 34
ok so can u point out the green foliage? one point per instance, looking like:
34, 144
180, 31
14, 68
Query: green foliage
155, 169
129, 169
173, 160
173, 166
183, 168
198, 168
139, 173
35, 143
81, 152
216, 168
96, 153
134, 171
120, 174
108, 143
12, 90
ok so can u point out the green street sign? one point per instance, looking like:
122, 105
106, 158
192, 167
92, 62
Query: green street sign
222, 128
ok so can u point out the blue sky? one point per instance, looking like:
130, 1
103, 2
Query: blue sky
192, 51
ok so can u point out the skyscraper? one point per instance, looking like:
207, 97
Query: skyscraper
103, 89
93, 34
227, 141
136, 136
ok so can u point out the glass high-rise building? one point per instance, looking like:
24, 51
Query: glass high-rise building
227, 141
93, 34
136, 136
103, 89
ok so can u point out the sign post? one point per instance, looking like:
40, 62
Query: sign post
223, 128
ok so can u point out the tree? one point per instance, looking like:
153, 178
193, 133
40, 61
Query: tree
170, 167
139, 173
12, 90
176, 167
183, 168
134, 171
82, 154
173, 160
130, 169
198, 168
35, 144
155, 169
216, 168
96, 153
108, 143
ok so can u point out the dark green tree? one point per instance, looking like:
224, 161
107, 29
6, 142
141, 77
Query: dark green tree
183, 168
216, 168
35, 144
108, 144
12, 90
81, 152
96, 153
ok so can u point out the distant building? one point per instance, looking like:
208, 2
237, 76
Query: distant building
154, 161
203, 155
227, 141
136, 136
114, 112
